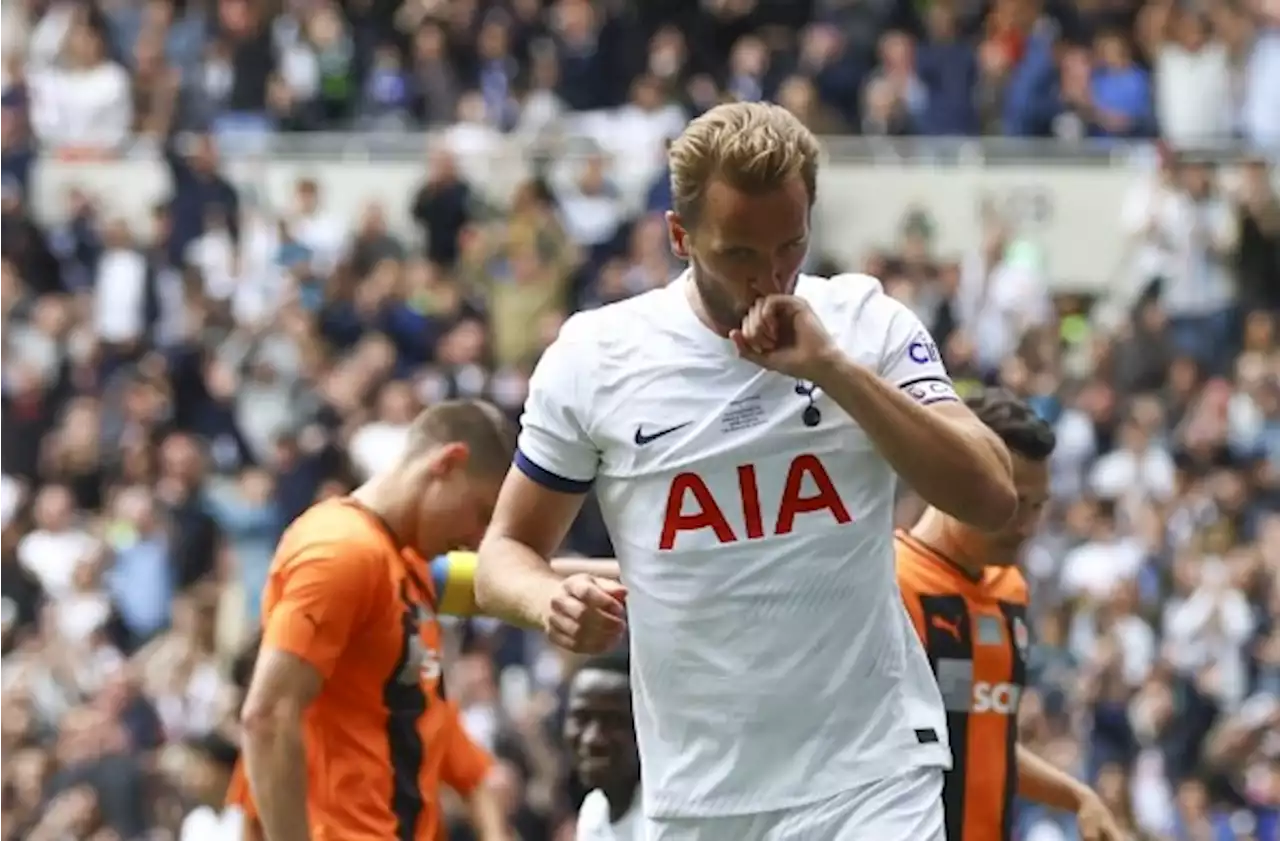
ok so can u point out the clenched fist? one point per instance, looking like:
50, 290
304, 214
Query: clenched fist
587, 614
782, 333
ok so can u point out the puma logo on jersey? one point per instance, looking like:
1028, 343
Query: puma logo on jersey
948, 626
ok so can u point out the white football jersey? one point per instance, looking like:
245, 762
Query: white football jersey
773, 662
594, 823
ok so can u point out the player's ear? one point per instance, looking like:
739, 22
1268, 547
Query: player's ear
449, 458
678, 234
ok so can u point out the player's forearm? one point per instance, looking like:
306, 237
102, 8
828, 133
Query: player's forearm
1040, 782
276, 764
487, 817
513, 582
599, 567
960, 468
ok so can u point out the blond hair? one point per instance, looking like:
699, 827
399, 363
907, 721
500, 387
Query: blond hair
753, 146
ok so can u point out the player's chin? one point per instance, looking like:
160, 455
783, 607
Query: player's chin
595, 770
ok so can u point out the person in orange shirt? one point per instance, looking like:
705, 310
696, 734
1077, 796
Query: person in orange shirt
452, 579
968, 602
347, 733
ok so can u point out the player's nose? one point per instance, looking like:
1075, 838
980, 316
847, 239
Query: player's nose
594, 737
775, 283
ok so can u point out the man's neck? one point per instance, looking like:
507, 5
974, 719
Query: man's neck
620, 799
937, 532
383, 497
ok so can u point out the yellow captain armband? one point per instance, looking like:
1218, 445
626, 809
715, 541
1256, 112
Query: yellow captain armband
453, 575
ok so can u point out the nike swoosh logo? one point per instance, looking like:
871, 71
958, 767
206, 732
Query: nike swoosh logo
642, 439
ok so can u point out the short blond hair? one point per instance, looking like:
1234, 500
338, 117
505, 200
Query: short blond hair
487, 432
753, 146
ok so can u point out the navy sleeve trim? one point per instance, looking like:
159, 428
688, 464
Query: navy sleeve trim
548, 479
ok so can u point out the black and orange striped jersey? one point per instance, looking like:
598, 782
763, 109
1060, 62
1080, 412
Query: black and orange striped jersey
381, 738
975, 633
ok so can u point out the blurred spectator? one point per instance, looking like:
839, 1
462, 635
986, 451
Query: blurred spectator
435, 85
141, 581
1032, 91
1187, 237
797, 95
381, 441
1262, 80
1120, 102
748, 68
84, 102
827, 60
542, 106
315, 229
1258, 208
591, 205
896, 98
442, 208
387, 97
241, 62
56, 548
1193, 82
25, 246
120, 290
1000, 295
17, 153
198, 191
1197, 288
949, 68
587, 71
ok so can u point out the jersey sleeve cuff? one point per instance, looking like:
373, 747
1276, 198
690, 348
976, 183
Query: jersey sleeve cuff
548, 478
289, 642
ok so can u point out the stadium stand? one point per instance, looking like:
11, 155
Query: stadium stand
243, 242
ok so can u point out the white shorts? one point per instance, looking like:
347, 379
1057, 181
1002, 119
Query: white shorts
907, 807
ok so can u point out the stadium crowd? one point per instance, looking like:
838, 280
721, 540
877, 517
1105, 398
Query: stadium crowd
96, 73
174, 395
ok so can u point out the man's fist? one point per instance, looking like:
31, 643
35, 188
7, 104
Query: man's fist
784, 334
587, 614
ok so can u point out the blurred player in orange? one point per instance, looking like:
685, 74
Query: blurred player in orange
451, 576
347, 733
968, 602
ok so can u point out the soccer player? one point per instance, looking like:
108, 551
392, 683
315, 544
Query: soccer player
968, 601
452, 583
601, 736
743, 427
346, 731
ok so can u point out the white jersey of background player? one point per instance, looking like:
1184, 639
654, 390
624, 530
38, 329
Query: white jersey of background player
742, 428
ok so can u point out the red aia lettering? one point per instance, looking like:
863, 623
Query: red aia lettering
707, 514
